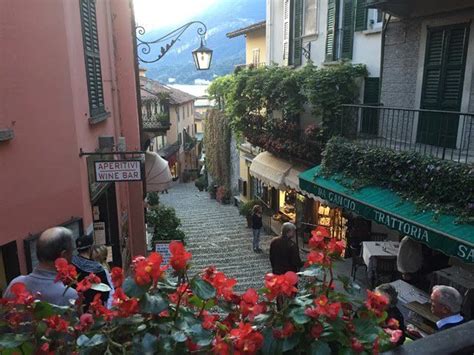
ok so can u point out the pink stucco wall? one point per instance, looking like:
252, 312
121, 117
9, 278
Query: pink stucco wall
43, 90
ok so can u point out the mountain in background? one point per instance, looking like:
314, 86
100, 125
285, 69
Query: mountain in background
220, 18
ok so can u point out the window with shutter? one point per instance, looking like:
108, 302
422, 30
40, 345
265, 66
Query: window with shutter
331, 30
361, 12
369, 124
443, 80
297, 31
347, 29
309, 17
92, 58
287, 43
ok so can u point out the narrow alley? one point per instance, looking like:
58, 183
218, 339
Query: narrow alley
217, 235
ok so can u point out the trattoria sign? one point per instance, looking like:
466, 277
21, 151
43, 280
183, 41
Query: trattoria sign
118, 170
435, 240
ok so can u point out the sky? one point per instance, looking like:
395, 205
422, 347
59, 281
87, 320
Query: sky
153, 14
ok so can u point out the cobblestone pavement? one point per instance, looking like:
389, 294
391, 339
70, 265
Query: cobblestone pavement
217, 235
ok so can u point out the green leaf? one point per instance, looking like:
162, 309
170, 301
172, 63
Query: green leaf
179, 336
312, 271
149, 343
201, 336
27, 348
203, 289
131, 289
298, 316
271, 346
320, 348
291, 342
43, 310
85, 342
154, 304
12, 340
261, 318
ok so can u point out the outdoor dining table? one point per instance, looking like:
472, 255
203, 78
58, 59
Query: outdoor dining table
371, 251
454, 276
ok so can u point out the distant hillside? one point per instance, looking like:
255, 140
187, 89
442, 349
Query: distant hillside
223, 17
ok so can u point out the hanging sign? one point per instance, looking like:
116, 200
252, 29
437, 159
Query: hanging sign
118, 170
99, 233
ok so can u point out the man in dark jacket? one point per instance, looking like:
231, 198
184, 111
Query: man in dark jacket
284, 254
86, 266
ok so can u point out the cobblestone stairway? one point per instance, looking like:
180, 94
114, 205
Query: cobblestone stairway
217, 235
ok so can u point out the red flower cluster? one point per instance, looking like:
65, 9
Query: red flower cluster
67, 273
85, 322
249, 306
246, 340
179, 256
223, 285
22, 295
117, 277
278, 285
321, 240
56, 323
148, 270
324, 308
285, 332
125, 305
86, 283
209, 320
316, 330
376, 303
98, 309
181, 294
220, 347
317, 258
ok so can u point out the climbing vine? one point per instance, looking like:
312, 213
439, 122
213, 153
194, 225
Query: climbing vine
217, 137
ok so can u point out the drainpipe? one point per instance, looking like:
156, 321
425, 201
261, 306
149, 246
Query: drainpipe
137, 84
382, 52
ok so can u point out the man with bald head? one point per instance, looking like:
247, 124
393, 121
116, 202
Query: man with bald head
53, 243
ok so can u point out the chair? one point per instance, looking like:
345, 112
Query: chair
386, 268
378, 237
467, 308
357, 261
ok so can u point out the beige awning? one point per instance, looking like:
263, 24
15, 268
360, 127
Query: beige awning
270, 169
158, 175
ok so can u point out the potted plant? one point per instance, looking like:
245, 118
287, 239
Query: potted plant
200, 183
153, 199
245, 209
165, 224
226, 196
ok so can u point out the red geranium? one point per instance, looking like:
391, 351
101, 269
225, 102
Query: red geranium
179, 256
281, 285
285, 332
223, 285
220, 347
85, 322
117, 277
324, 308
209, 320
376, 303
336, 247
22, 295
57, 324
66, 273
316, 330
126, 306
246, 339
356, 345
317, 258
86, 283
148, 270
249, 306
97, 308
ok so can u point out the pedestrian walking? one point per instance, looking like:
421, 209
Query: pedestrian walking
256, 227
52, 244
284, 253
85, 265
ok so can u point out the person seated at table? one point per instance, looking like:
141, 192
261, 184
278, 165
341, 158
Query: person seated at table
391, 294
446, 304
409, 258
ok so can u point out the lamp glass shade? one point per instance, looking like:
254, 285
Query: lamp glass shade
202, 57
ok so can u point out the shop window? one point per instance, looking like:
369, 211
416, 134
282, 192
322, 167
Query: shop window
286, 207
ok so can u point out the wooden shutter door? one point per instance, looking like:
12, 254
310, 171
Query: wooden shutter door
331, 30
348, 29
92, 57
443, 81
297, 31
361, 15
369, 124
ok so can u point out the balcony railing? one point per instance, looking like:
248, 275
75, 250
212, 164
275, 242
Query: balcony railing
156, 122
442, 134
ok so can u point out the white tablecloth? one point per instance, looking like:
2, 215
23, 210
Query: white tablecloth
373, 250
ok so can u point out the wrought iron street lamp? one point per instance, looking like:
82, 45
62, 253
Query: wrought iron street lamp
202, 56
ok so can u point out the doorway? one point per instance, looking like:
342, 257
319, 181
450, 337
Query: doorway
9, 265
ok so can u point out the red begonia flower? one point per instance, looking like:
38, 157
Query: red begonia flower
126, 306
57, 324
317, 258
279, 285
316, 330
377, 303
356, 345
117, 276
66, 273
246, 339
22, 295
179, 256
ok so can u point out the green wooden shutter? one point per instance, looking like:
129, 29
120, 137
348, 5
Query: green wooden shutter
361, 13
348, 29
297, 31
92, 57
371, 91
331, 30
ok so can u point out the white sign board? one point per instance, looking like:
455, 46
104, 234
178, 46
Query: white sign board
99, 233
163, 249
118, 170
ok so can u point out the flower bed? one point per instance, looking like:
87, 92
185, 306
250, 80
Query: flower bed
202, 314
431, 183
